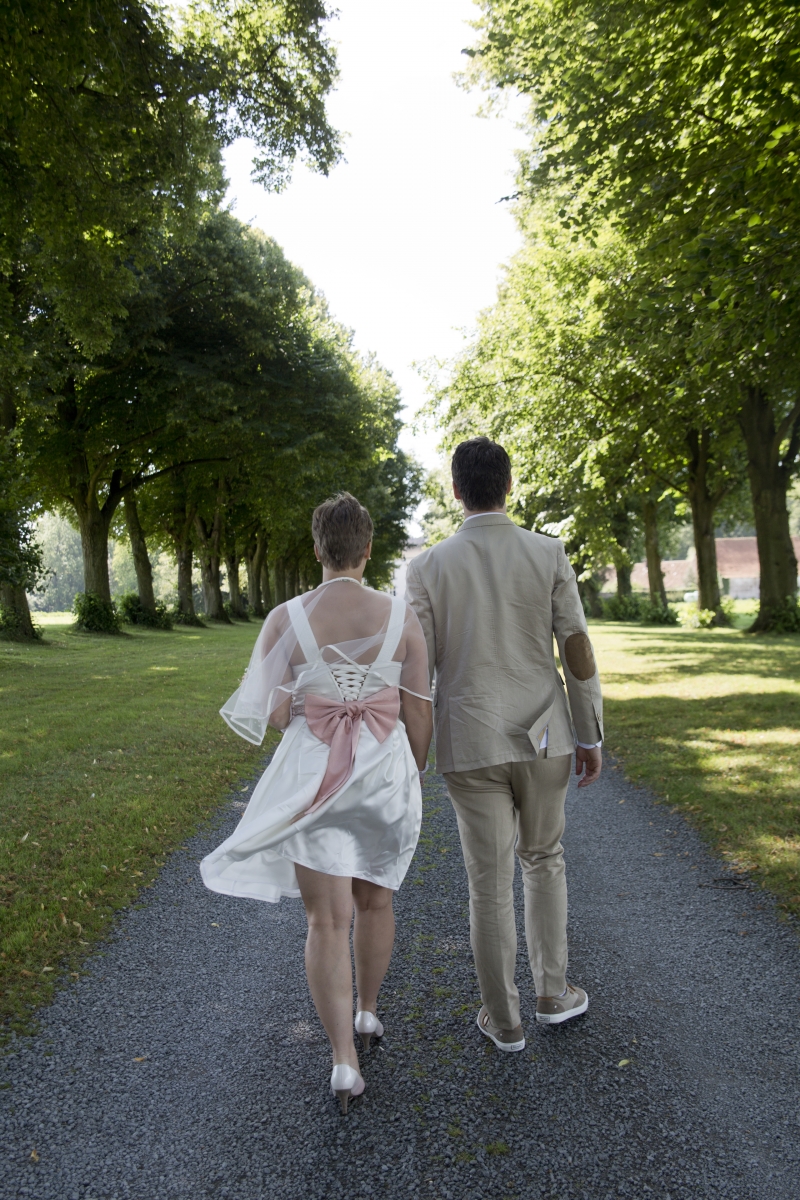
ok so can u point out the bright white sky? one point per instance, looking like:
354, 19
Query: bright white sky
405, 237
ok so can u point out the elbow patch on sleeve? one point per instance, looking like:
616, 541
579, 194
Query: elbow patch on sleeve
580, 656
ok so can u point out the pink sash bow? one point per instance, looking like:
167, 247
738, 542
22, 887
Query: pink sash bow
338, 723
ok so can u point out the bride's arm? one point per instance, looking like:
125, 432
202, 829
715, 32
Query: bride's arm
417, 710
276, 654
418, 720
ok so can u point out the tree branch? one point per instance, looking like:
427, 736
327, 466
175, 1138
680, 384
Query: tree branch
137, 481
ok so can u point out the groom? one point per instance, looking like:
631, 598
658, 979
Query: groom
490, 599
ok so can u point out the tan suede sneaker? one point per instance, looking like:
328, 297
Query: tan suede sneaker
507, 1040
552, 1010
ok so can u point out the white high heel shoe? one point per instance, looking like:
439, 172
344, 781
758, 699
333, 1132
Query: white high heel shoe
368, 1027
346, 1082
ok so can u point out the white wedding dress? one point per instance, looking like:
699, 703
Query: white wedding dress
368, 828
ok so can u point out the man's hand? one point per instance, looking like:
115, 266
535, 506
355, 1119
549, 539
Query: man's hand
592, 760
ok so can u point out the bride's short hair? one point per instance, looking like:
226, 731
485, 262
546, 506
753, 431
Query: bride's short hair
342, 529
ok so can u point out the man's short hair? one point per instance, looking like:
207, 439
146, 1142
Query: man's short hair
481, 471
342, 529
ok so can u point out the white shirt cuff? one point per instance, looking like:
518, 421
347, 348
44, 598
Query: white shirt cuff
583, 745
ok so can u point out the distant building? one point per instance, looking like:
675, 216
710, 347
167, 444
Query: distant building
737, 565
412, 548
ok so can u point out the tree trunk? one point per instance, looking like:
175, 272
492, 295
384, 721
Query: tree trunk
703, 505
265, 588
655, 575
184, 557
213, 604
232, 569
179, 525
253, 579
708, 593
256, 559
94, 525
770, 475
280, 581
210, 563
624, 587
13, 598
622, 530
141, 559
589, 590
289, 581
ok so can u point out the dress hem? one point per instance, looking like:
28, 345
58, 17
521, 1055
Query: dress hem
213, 885
341, 874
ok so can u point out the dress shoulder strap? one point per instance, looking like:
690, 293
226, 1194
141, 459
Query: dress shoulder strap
302, 629
394, 629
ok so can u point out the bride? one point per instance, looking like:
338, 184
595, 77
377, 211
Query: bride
343, 671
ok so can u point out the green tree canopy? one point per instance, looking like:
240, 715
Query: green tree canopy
112, 116
678, 127
111, 119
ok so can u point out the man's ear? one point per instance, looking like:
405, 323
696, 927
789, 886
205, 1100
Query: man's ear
456, 492
510, 481
316, 552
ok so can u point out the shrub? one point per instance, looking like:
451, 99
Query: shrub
623, 608
236, 616
693, 617
659, 614
728, 606
182, 618
94, 615
134, 612
786, 619
11, 629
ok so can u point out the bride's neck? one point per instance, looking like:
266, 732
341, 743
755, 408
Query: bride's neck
356, 574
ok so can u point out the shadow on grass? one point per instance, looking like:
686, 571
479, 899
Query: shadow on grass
733, 762
675, 654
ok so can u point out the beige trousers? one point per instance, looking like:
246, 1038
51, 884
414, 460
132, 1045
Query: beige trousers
499, 809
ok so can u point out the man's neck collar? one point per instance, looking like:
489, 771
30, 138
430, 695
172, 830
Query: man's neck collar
485, 518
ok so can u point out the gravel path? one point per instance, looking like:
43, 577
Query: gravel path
189, 1063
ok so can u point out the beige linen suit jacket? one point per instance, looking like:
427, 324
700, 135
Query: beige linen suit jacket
489, 599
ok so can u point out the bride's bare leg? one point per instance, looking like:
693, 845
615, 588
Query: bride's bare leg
329, 910
373, 939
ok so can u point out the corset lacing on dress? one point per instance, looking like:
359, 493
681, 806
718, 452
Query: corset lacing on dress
349, 679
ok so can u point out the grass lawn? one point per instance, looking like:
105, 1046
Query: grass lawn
710, 721
111, 751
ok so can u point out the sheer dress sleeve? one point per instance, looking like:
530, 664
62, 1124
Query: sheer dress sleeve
264, 695
414, 676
